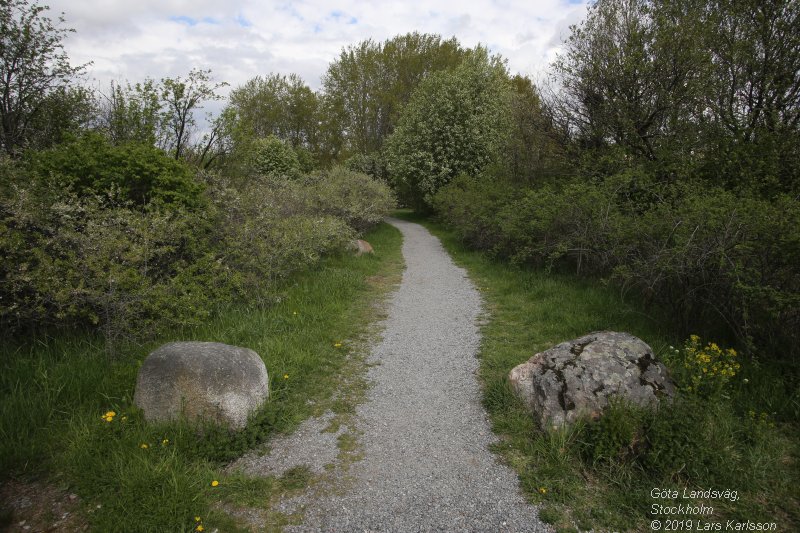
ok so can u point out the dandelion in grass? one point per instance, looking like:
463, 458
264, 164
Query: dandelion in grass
197, 519
200, 528
542, 490
165, 442
144, 446
286, 376
215, 483
337, 345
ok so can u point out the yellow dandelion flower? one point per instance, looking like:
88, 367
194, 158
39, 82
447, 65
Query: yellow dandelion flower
542, 490
200, 528
165, 442
286, 376
337, 345
197, 518
108, 418
144, 446
215, 483
111, 414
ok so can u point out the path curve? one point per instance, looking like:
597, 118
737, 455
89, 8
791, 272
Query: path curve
426, 465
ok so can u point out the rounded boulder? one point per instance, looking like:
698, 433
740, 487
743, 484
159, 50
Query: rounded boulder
578, 377
206, 381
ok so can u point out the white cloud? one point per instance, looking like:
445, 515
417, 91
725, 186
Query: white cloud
240, 39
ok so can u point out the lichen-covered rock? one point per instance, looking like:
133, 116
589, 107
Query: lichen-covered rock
576, 378
204, 380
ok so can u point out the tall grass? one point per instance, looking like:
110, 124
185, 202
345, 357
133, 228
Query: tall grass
55, 389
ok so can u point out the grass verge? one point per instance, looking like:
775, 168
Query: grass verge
132, 476
601, 475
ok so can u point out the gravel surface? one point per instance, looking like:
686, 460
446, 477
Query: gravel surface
426, 464
311, 445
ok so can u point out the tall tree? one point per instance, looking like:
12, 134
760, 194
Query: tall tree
133, 113
33, 65
632, 76
181, 98
457, 121
369, 83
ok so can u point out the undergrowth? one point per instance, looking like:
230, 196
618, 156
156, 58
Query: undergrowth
600, 475
134, 476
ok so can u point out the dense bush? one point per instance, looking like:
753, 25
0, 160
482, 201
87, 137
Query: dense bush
354, 197
137, 172
91, 256
273, 157
714, 258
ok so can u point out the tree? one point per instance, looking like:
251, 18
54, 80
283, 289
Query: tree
181, 98
133, 113
369, 83
33, 65
632, 77
278, 105
456, 122
753, 98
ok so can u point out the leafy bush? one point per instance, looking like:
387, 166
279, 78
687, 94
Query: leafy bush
354, 197
273, 157
270, 227
137, 172
72, 259
717, 260
77, 256
708, 368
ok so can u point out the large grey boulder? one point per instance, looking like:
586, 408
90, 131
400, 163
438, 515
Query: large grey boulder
576, 378
204, 380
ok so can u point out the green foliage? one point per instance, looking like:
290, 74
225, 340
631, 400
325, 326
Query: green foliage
34, 69
95, 259
55, 390
133, 113
272, 157
133, 172
703, 253
283, 106
368, 85
356, 198
456, 122
599, 474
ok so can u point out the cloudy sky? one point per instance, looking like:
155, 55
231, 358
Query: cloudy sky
239, 39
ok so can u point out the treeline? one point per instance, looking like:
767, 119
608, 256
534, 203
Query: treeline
120, 213
663, 158
661, 154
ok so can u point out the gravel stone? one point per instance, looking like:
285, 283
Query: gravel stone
427, 464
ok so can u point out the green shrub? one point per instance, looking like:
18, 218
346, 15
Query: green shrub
80, 260
136, 172
355, 197
720, 262
273, 157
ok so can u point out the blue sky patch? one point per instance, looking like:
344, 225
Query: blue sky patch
183, 19
243, 22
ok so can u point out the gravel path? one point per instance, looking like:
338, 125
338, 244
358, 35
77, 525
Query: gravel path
426, 465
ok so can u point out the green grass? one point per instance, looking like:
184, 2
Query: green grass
53, 391
587, 476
